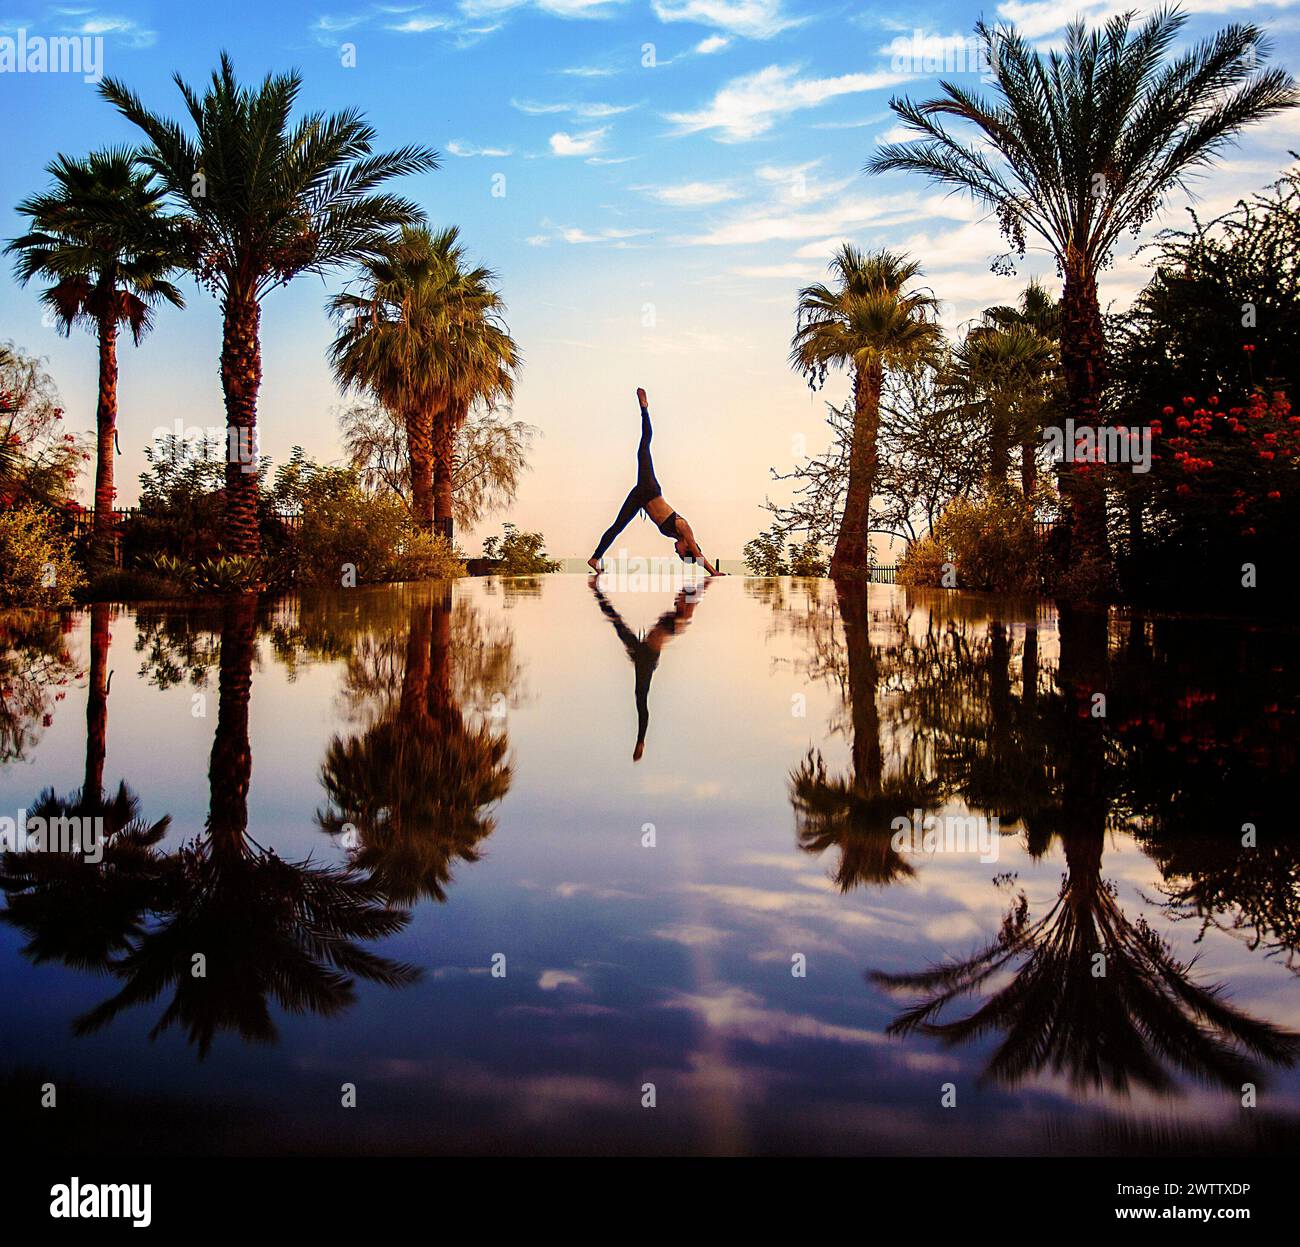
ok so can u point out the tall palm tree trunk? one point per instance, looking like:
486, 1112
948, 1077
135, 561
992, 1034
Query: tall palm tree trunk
863, 680
101, 543
92, 786
241, 378
1083, 364
444, 441
230, 768
419, 443
852, 555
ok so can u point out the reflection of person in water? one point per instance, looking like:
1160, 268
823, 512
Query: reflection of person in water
644, 651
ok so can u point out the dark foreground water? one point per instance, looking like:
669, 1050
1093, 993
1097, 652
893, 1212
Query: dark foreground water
397, 840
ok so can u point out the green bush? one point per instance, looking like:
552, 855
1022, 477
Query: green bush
36, 563
349, 536
923, 564
765, 555
990, 541
520, 554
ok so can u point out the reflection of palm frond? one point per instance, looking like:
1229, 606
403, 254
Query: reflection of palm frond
856, 819
1091, 995
416, 800
266, 929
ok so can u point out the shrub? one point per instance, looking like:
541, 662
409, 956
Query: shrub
345, 527
36, 563
990, 541
924, 563
764, 556
808, 559
520, 554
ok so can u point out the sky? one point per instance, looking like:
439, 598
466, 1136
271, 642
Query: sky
653, 181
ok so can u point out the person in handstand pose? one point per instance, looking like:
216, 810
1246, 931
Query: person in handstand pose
644, 652
648, 497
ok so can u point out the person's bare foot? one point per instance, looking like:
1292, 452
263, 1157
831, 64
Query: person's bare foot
594, 564
641, 398
638, 751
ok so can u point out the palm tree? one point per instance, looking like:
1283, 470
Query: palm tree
99, 234
425, 337
866, 322
1037, 311
1091, 139
999, 372
263, 201
485, 359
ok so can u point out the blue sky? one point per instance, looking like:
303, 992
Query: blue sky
673, 172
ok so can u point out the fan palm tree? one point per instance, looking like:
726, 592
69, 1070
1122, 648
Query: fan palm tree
866, 321
1000, 371
1076, 147
425, 337
262, 201
1037, 311
101, 237
485, 359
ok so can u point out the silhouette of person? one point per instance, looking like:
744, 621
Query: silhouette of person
645, 651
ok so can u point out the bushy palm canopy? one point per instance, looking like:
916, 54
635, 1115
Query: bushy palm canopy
1036, 309
101, 237
265, 199
425, 330
866, 317
1078, 145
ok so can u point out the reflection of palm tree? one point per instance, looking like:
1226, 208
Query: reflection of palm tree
644, 652
264, 927
415, 786
1091, 995
856, 814
72, 909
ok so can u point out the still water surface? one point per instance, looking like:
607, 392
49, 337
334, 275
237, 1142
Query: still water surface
668, 822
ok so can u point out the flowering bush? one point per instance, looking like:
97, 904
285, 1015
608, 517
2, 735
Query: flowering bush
990, 541
1233, 467
36, 564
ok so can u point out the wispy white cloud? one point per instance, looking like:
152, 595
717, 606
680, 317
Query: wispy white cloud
557, 8
577, 237
583, 144
458, 148
1036, 18
691, 194
714, 43
87, 21
754, 19
589, 110
420, 24
748, 106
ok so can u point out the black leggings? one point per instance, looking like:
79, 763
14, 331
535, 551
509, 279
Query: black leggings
646, 487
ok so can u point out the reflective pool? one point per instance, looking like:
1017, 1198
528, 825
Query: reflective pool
634, 866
